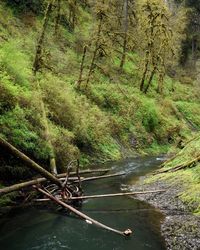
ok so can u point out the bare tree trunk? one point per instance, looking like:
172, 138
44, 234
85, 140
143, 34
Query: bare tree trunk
125, 33
30, 163
114, 195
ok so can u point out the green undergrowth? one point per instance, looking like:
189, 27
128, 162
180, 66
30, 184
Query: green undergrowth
188, 179
191, 111
109, 120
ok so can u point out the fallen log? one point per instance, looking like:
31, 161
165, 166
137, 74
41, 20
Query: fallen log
100, 177
114, 195
179, 167
107, 195
25, 184
179, 154
30, 163
89, 220
82, 179
88, 171
19, 186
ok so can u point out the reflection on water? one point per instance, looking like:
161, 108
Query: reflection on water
45, 229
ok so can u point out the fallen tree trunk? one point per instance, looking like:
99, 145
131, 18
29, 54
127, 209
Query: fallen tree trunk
87, 171
95, 177
179, 167
30, 163
19, 186
178, 154
114, 195
25, 184
108, 195
82, 215
100, 177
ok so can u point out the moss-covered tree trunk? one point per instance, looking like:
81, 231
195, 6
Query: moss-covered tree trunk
125, 30
150, 80
39, 48
52, 158
36, 67
95, 49
145, 70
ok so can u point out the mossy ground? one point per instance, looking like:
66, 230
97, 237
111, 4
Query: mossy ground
188, 179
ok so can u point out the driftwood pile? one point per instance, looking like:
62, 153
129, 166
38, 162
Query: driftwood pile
64, 189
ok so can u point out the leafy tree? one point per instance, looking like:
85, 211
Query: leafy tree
157, 42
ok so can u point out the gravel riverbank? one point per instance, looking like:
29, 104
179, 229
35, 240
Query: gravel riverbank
180, 228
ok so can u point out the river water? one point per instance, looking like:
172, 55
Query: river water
43, 228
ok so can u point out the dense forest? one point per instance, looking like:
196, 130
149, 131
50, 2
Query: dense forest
100, 81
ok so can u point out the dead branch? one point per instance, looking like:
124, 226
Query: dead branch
108, 195
114, 195
89, 220
100, 177
25, 184
30, 163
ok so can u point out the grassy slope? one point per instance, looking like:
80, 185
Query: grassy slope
110, 120
188, 179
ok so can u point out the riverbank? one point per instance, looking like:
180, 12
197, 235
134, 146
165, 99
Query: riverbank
180, 228
47, 228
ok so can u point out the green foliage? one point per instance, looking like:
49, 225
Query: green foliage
8, 93
19, 131
65, 150
15, 63
109, 150
148, 113
191, 112
99, 122
187, 179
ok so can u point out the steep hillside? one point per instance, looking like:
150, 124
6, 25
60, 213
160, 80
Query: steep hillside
107, 120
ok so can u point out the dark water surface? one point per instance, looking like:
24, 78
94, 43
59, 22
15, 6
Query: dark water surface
48, 229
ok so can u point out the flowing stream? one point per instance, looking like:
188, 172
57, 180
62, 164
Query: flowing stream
33, 228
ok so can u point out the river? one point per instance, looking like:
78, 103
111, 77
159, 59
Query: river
33, 228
